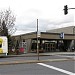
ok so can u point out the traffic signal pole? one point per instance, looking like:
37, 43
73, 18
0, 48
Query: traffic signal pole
71, 8
66, 12
66, 9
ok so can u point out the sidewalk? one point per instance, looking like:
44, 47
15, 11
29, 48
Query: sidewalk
58, 53
40, 54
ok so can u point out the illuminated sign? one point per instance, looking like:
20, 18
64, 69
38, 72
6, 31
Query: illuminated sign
62, 35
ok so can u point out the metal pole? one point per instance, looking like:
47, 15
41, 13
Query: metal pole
37, 40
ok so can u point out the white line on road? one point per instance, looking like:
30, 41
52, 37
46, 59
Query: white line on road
58, 69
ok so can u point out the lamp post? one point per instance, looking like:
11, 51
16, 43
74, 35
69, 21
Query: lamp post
37, 40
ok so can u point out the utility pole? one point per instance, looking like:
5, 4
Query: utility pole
37, 41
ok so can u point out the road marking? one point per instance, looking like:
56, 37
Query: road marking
58, 69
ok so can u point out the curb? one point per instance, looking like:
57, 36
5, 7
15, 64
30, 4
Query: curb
34, 61
22, 56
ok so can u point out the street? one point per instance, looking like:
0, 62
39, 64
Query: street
24, 58
48, 68
66, 67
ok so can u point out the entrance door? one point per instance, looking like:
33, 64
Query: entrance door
47, 47
50, 46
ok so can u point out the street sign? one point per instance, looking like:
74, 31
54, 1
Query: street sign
62, 35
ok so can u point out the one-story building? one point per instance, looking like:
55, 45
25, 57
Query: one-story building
61, 39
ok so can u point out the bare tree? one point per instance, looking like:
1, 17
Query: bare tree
8, 20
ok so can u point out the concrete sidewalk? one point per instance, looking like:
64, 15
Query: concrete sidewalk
57, 53
40, 54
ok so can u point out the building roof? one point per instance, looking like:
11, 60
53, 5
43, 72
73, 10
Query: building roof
66, 30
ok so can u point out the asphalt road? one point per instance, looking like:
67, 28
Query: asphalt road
50, 68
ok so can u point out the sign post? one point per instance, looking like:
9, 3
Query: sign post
37, 40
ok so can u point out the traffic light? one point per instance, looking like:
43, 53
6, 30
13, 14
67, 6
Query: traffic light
65, 9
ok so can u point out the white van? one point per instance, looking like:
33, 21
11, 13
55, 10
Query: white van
3, 45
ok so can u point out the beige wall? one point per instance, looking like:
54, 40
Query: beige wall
66, 30
45, 35
28, 45
57, 36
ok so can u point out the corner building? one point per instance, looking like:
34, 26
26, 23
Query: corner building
49, 41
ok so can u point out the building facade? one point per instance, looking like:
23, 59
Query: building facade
50, 41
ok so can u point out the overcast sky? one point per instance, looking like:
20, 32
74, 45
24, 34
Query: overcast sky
49, 13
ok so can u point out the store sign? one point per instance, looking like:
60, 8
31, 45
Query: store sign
62, 35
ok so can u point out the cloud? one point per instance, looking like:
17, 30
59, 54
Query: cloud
45, 24
49, 12
32, 26
62, 19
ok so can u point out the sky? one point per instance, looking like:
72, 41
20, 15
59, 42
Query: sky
49, 13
